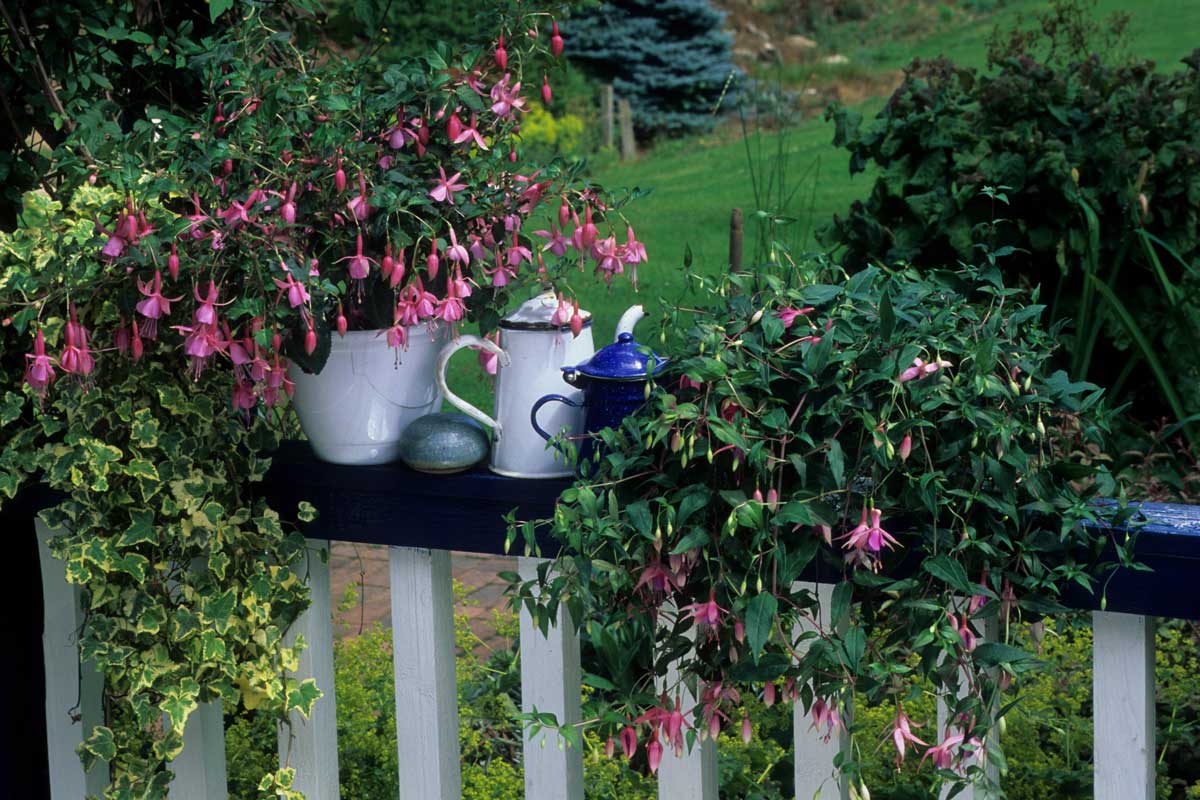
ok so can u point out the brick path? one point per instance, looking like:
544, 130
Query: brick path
366, 566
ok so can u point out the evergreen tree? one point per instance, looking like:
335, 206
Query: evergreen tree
669, 58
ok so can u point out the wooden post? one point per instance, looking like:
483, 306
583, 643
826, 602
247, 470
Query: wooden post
1123, 706
735, 240
67, 682
693, 775
310, 745
606, 113
423, 657
551, 683
628, 143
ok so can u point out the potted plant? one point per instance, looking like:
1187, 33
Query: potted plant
323, 228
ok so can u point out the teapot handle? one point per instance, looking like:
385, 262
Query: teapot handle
440, 375
538, 407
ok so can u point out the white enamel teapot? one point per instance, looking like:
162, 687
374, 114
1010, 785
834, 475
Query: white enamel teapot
534, 347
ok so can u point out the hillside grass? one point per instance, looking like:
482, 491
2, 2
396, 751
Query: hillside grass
694, 183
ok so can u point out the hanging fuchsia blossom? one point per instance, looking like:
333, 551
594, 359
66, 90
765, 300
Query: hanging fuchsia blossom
788, 316
39, 372
456, 253
942, 754
444, 188
360, 265
628, 741
360, 209
902, 734
76, 357
154, 307
706, 614
471, 133
923, 369
557, 243
296, 293
505, 101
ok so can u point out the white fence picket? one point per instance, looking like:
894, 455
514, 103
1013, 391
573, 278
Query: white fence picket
692, 775
310, 745
1123, 706
72, 690
423, 659
550, 683
989, 631
200, 768
815, 775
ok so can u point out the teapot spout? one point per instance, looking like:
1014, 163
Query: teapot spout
632, 316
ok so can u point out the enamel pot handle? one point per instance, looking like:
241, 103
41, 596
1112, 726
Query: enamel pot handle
453, 399
538, 406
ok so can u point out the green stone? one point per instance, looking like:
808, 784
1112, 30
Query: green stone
443, 443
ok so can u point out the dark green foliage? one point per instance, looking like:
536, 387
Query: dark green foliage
1100, 165
668, 58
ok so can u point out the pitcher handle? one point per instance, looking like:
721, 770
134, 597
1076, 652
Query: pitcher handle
443, 359
538, 406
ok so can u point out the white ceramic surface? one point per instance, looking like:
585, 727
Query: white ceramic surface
356, 408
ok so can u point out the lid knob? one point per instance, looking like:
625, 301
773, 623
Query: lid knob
625, 338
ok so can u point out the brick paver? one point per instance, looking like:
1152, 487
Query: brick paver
365, 568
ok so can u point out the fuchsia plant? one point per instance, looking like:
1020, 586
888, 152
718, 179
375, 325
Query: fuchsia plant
275, 245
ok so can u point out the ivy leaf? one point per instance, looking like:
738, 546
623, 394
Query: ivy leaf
760, 618
301, 696
950, 572
178, 707
140, 531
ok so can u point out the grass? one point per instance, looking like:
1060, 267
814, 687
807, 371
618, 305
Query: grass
696, 182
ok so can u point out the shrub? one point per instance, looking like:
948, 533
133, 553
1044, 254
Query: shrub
1100, 163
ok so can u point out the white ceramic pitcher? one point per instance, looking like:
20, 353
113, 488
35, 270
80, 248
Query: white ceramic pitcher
532, 352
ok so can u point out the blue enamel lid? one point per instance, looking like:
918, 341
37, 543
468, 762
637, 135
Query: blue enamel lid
623, 360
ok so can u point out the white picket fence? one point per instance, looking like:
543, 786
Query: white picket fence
427, 713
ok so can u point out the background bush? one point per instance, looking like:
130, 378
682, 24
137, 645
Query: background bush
1100, 160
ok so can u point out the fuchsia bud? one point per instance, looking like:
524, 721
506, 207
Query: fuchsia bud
227, 166
739, 631
339, 177
286, 157
556, 41
397, 270
454, 126
758, 496
276, 341
769, 695
388, 263
628, 741
589, 230
610, 747
576, 321
423, 132
547, 94
564, 213
714, 727
341, 322
905, 447
747, 730
135, 342
501, 54
654, 752
173, 263
772, 499
432, 262
512, 155
310, 340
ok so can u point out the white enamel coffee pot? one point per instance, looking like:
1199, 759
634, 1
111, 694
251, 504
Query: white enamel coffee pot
531, 354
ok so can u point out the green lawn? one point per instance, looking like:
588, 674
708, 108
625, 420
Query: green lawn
696, 182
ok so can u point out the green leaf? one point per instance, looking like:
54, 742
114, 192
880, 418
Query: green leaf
950, 572
839, 607
855, 642
887, 317
140, 531
218, 7
760, 619
837, 462
301, 696
178, 706
992, 653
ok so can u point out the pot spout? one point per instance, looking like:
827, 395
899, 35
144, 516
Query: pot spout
632, 316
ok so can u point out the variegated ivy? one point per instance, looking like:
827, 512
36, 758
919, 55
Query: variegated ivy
894, 434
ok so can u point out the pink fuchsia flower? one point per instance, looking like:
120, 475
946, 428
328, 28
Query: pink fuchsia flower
659, 578
76, 358
608, 259
360, 265
941, 754
825, 718
489, 361
296, 293
444, 188
506, 101
789, 315
471, 133
287, 209
963, 628
154, 307
456, 252
654, 754
39, 372
201, 343
243, 398
634, 251
206, 312
114, 247
902, 734
235, 214
706, 614
360, 209
197, 218
397, 335
923, 369
517, 253
557, 243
